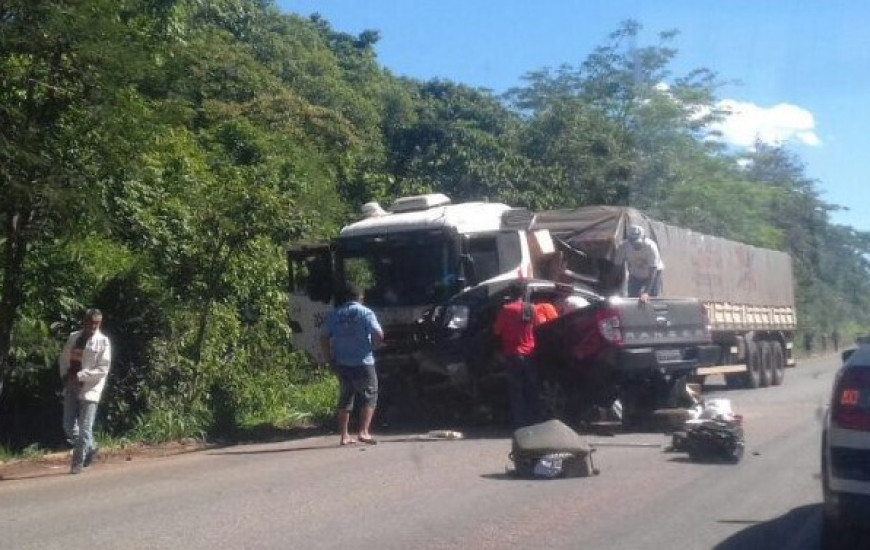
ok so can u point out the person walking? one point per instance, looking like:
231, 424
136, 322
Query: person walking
348, 337
514, 328
84, 366
644, 262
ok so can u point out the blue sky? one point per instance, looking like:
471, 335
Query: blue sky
803, 66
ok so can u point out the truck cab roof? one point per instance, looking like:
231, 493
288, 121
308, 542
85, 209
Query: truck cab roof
469, 217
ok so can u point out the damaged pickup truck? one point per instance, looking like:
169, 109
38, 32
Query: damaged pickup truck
597, 352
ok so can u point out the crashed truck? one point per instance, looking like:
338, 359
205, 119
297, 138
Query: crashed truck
407, 259
747, 291
435, 272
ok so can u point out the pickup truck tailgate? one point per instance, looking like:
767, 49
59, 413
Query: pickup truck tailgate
662, 322
666, 334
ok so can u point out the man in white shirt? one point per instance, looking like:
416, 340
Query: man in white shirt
644, 262
84, 366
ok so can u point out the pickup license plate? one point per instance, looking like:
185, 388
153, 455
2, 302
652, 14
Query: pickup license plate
664, 355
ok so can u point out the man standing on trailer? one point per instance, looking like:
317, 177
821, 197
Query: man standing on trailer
644, 263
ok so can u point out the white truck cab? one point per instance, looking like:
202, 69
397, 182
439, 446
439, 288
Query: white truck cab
409, 258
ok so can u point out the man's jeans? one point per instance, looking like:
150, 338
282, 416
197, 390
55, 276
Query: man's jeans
634, 286
78, 424
523, 390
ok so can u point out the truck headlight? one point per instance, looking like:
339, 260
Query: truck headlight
456, 317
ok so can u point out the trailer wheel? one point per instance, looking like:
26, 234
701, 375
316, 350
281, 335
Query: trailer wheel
735, 381
777, 364
766, 353
753, 365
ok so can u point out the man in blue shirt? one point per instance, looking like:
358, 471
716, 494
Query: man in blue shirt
348, 337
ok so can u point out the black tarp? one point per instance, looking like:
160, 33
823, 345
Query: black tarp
709, 268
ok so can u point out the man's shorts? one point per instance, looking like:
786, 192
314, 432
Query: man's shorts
362, 381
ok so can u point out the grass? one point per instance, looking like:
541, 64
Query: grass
35, 451
274, 410
165, 424
108, 441
28, 453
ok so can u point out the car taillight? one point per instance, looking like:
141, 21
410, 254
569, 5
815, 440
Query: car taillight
851, 406
609, 326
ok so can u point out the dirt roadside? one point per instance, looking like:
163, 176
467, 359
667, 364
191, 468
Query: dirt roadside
57, 463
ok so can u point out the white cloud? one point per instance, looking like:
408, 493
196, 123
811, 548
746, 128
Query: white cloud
748, 122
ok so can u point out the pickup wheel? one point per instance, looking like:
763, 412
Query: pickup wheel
777, 372
766, 353
563, 398
753, 366
638, 401
554, 399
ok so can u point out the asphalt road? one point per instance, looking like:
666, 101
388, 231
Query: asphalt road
406, 493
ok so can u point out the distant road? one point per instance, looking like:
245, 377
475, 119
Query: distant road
406, 494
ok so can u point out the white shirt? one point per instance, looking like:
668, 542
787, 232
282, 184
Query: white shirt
96, 358
640, 259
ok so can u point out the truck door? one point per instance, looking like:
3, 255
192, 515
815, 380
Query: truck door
311, 279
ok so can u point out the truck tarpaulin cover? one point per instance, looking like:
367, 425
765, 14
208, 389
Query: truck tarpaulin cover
709, 268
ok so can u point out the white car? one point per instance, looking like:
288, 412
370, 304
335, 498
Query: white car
846, 447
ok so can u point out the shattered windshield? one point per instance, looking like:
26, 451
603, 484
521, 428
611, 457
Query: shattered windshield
411, 269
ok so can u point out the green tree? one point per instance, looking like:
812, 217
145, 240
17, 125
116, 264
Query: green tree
65, 82
618, 127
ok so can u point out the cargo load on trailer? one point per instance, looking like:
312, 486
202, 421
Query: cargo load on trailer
748, 292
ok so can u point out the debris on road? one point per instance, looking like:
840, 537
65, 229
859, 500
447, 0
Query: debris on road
445, 434
712, 433
549, 450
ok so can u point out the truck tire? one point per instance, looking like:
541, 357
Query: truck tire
752, 377
778, 364
766, 353
735, 381
638, 401
562, 398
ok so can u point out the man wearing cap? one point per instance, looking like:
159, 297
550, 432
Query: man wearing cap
644, 262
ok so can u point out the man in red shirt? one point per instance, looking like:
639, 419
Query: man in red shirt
514, 328
545, 311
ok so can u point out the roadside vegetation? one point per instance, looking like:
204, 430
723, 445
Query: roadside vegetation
158, 156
